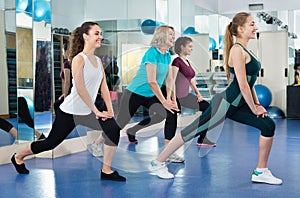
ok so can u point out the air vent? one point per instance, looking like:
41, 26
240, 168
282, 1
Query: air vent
256, 6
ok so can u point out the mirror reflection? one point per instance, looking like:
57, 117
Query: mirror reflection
42, 68
24, 60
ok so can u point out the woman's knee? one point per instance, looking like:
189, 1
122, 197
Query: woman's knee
203, 105
268, 130
111, 138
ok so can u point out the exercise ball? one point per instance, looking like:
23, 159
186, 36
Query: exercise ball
190, 30
148, 26
264, 95
212, 44
221, 41
21, 5
275, 112
42, 10
30, 106
28, 10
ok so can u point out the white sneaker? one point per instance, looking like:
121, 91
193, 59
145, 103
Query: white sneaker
160, 169
265, 177
97, 150
175, 158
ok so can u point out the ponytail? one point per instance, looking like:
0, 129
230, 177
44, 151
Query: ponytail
228, 43
76, 43
232, 30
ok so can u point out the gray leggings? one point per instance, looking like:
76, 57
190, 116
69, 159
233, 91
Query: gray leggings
218, 110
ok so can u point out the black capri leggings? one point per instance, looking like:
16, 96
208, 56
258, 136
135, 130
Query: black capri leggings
5, 125
64, 123
218, 110
129, 104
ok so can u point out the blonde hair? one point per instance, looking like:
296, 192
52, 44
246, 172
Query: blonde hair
161, 35
232, 30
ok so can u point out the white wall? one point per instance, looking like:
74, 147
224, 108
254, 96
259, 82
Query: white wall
3, 67
116, 9
269, 5
68, 13
211, 5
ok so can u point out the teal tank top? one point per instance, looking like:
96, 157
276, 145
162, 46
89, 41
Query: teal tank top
233, 93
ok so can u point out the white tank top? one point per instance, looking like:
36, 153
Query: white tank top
73, 104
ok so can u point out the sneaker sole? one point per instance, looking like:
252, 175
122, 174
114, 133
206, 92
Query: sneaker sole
175, 161
261, 181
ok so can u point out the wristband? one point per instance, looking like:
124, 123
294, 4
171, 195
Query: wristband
258, 104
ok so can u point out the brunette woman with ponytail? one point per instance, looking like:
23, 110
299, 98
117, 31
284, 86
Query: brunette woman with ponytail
78, 107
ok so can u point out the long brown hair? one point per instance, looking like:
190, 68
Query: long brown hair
76, 39
232, 30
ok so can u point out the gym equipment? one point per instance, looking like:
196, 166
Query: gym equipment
221, 41
264, 95
212, 44
28, 10
21, 5
148, 26
30, 106
190, 30
275, 112
42, 10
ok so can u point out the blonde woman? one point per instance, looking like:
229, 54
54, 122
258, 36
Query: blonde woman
145, 88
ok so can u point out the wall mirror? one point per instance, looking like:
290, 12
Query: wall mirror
34, 79
42, 67
24, 60
8, 88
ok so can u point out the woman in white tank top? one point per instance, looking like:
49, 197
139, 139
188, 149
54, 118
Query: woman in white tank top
79, 107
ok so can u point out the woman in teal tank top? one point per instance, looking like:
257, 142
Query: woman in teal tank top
238, 102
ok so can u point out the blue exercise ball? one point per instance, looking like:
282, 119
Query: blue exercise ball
148, 26
221, 41
275, 112
264, 95
42, 9
6, 139
30, 106
21, 5
212, 43
190, 30
28, 10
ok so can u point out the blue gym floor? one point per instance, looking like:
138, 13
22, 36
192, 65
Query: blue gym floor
224, 172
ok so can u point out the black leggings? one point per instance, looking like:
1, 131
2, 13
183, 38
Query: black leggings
64, 123
129, 104
218, 110
5, 125
190, 101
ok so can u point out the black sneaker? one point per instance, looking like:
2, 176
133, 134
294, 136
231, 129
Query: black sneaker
131, 138
20, 168
205, 142
113, 176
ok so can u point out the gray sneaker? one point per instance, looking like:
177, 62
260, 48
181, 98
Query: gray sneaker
160, 169
97, 150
